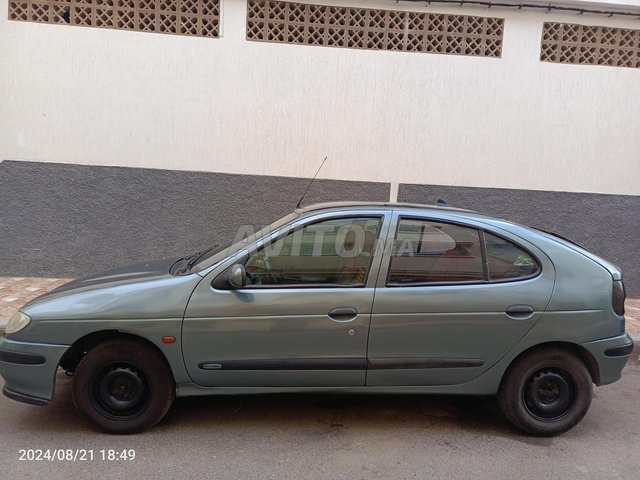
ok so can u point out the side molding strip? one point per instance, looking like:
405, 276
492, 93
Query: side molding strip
341, 363
288, 364
432, 362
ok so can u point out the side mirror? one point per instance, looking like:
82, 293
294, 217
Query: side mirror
237, 276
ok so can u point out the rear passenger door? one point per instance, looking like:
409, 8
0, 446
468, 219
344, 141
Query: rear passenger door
452, 298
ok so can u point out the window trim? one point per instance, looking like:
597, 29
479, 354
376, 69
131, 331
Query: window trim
485, 264
485, 259
293, 228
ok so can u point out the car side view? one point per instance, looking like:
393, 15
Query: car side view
345, 297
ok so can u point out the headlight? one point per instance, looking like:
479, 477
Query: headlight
17, 323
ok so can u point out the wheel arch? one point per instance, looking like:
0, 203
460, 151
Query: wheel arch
582, 353
86, 343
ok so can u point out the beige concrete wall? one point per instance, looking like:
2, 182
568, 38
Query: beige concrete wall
104, 97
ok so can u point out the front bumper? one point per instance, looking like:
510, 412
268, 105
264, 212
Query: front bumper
612, 355
29, 370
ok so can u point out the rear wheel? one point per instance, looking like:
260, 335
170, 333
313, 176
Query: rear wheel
546, 392
123, 386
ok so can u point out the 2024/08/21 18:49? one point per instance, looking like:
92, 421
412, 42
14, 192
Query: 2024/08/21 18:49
74, 454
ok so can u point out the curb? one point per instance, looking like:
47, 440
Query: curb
635, 353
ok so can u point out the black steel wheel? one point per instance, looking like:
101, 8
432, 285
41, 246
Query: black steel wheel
120, 391
546, 391
549, 394
123, 386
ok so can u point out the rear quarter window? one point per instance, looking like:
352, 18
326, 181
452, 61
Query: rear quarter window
507, 261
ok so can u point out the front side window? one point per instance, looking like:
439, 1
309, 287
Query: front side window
330, 252
434, 252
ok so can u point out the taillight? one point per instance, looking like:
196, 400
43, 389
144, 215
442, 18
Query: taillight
619, 296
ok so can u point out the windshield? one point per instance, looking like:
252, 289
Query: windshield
245, 235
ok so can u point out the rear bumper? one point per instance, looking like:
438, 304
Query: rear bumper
612, 355
29, 370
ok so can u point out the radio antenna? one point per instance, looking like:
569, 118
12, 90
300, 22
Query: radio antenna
311, 183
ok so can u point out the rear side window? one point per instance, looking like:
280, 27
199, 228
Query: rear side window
507, 261
429, 252
434, 252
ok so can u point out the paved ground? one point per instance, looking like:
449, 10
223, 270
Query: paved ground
16, 291
632, 317
333, 437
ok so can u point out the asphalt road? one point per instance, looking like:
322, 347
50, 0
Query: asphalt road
333, 437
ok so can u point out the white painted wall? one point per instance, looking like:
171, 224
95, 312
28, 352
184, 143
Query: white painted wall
617, 5
107, 97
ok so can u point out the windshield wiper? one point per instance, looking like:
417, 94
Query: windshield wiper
195, 258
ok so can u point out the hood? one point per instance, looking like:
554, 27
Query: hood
115, 276
127, 274
143, 290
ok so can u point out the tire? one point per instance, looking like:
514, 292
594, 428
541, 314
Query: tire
546, 392
123, 386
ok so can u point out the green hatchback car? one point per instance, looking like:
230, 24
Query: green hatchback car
349, 297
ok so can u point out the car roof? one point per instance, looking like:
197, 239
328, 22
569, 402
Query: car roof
457, 213
379, 205
341, 206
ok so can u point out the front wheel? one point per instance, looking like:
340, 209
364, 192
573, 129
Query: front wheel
546, 392
123, 386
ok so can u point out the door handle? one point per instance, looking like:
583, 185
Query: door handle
343, 314
519, 311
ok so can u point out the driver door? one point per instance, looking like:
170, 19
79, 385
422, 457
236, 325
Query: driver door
303, 318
